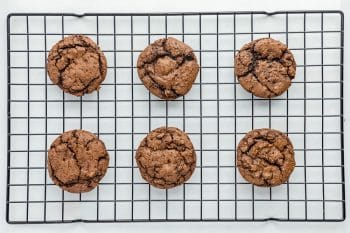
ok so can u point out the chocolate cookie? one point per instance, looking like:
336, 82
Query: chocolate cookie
265, 67
77, 65
77, 161
168, 68
265, 157
166, 157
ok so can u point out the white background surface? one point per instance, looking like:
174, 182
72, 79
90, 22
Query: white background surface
82, 6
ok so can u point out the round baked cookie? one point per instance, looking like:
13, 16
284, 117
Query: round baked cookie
168, 68
265, 157
166, 157
77, 65
77, 161
265, 67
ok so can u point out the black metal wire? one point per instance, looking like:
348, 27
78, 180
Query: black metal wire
187, 203
304, 90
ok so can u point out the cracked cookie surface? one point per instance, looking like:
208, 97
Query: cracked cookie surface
265, 157
168, 68
265, 67
166, 157
77, 65
77, 161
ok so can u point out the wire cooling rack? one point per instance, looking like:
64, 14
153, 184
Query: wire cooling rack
216, 114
